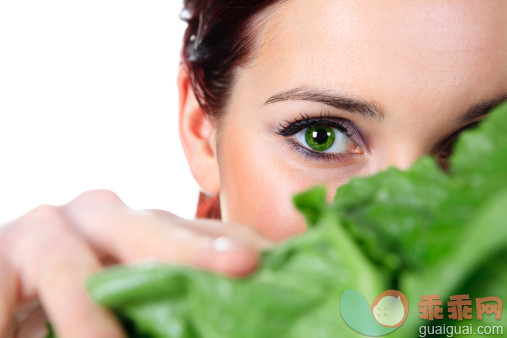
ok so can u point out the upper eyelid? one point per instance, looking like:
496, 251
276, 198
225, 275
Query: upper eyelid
343, 125
453, 136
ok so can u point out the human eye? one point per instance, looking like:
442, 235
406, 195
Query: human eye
447, 146
322, 137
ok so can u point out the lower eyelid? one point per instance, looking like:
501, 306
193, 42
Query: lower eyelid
313, 155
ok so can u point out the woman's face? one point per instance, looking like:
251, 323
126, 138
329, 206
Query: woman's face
338, 89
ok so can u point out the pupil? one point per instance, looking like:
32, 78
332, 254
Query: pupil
320, 136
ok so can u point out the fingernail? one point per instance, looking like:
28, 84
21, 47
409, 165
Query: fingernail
224, 243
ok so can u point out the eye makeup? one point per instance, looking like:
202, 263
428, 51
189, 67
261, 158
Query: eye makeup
445, 147
316, 127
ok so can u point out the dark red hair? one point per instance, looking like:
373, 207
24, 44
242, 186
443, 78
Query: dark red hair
219, 38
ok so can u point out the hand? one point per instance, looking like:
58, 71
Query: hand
46, 255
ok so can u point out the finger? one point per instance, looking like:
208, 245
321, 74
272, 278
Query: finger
35, 325
133, 236
58, 262
241, 232
8, 294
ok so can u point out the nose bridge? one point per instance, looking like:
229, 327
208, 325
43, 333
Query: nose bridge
401, 155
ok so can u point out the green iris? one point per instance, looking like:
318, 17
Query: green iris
320, 138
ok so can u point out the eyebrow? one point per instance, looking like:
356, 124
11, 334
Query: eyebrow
482, 108
335, 100
371, 109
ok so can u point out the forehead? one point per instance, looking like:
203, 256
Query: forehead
396, 52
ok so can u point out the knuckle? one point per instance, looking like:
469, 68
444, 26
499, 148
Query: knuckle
31, 225
43, 213
98, 197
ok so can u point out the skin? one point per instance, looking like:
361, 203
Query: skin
424, 63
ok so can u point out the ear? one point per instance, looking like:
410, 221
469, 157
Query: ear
197, 136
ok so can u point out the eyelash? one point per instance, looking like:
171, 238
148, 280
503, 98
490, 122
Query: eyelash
306, 121
446, 147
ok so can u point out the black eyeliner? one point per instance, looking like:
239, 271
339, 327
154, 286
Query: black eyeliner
305, 122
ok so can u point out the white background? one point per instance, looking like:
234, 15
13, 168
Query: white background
88, 100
